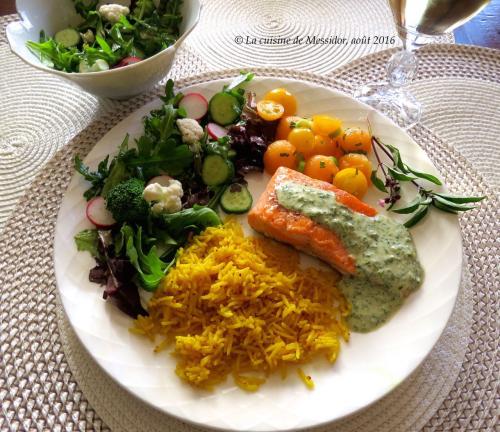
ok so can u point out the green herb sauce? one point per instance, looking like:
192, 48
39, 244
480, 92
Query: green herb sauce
387, 268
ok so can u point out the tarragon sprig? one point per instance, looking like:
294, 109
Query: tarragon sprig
425, 199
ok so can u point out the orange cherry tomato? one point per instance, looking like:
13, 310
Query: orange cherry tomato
351, 180
337, 147
303, 140
356, 140
323, 145
285, 98
321, 167
279, 153
359, 161
326, 126
284, 127
270, 110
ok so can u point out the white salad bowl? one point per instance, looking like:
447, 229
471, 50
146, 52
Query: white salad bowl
120, 83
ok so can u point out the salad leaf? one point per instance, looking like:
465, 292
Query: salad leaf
85, 7
88, 240
151, 269
96, 178
55, 55
194, 219
118, 170
143, 8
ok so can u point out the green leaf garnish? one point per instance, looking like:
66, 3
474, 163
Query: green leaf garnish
379, 184
399, 175
417, 217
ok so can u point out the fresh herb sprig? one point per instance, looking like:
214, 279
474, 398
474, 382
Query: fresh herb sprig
426, 198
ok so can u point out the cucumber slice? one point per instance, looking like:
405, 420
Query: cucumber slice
236, 199
216, 170
224, 108
67, 38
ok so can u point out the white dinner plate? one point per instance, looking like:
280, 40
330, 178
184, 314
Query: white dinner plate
369, 365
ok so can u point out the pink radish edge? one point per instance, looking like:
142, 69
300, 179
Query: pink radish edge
195, 104
216, 131
98, 214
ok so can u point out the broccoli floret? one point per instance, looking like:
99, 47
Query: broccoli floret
126, 203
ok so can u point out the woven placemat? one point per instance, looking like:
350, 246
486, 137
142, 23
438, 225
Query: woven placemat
49, 381
315, 36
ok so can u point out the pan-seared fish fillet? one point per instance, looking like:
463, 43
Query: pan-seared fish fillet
270, 218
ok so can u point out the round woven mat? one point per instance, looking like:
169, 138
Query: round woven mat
284, 34
49, 381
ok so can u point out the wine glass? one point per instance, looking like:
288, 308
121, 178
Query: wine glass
418, 22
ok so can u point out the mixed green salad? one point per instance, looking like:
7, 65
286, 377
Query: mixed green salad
155, 194
111, 35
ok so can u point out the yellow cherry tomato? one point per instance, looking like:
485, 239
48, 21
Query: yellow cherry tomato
326, 126
285, 98
270, 110
285, 127
303, 140
356, 140
321, 167
304, 123
351, 180
279, 153
359, 161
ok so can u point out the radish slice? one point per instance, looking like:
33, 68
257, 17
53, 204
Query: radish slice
216, 131
127, 61
195, 104
162, 180
98, 214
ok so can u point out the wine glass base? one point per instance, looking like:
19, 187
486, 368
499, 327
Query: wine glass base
396, 103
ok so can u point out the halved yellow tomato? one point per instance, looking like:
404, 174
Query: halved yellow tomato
285, 98
270, 110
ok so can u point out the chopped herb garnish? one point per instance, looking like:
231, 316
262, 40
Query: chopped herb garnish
336, 133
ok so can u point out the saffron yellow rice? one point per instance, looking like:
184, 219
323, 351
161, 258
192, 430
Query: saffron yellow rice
243, 306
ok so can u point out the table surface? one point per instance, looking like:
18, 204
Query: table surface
483, 30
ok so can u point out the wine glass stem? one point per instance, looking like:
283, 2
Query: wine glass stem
403, 65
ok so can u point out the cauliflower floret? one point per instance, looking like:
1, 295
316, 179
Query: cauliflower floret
113, 12
88, 37
167, 198
191, 130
